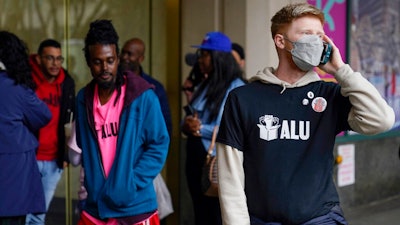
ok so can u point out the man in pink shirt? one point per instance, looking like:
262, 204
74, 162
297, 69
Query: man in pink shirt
123, 136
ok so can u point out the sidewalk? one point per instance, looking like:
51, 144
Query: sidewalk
385, 212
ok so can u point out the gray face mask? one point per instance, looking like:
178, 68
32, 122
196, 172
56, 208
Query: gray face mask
307, 51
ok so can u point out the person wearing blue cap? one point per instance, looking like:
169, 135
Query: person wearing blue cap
221, 75
195, 76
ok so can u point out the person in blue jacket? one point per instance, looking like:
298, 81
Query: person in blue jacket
122, 133
133, 52
22, 115
221, 74
131, 58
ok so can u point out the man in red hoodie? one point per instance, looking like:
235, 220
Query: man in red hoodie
57, 89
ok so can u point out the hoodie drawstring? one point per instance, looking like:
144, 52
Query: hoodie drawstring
284, 85
2, 66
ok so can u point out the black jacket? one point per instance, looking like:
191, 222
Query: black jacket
67, 107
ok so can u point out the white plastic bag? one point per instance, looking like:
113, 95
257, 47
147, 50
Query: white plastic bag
163, 197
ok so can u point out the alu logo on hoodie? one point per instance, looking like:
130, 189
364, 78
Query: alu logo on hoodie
294, 130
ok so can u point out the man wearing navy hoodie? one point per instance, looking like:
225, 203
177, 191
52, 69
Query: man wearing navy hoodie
57, 89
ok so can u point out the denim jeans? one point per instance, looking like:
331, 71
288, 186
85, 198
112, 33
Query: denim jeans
334, 217
51, 174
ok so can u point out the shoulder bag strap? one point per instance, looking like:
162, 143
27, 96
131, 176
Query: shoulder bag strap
213, 138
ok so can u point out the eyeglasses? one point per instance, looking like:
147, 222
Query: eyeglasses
51, 58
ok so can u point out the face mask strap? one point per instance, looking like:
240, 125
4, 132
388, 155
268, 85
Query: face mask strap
292, 42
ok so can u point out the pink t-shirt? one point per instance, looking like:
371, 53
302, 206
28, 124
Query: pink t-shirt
106, 119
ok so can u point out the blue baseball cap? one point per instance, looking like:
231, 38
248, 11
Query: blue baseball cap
215, 41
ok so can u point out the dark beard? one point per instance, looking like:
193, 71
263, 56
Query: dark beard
110, 85
107, 85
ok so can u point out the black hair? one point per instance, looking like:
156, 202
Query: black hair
225, 70
195, 75
100, 32
238, 48
191, 59
103, 32
48, 43
14, 55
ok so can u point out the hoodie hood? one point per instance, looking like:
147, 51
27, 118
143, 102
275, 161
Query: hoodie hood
38, 75
267, 76
50, 93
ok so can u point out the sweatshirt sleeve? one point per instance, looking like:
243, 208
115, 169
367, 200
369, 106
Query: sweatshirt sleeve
156, 141
370, 114
36, 112
231, 186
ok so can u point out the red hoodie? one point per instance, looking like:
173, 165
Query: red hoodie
50, 93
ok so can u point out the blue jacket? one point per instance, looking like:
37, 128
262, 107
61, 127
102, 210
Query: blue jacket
162, 96
199, 104
142, 148
22, 114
